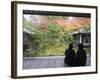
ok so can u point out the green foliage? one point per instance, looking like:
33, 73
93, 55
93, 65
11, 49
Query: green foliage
50, 42
87, 28
68, 38
53, 27
57, 17
27, 24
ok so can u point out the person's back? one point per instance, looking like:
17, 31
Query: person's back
81, 56
69, 56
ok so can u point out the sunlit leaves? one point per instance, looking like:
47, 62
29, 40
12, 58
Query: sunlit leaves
52, 33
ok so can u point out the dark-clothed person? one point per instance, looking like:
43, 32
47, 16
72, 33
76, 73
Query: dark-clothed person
69, 56
80, 56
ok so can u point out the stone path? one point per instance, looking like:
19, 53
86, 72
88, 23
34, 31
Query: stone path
47, 62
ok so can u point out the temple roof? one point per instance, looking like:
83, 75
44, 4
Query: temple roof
80, 31
27, 31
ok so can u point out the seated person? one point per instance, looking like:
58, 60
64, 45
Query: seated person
69, 56
80, 56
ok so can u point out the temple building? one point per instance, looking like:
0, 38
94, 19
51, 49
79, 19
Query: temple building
82, 36
27, 39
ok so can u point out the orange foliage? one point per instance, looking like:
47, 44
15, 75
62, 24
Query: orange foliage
74, 23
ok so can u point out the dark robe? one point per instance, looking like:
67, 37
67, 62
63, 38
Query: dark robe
69, 57
81, 57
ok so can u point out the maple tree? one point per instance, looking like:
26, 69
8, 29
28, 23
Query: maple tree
52, 32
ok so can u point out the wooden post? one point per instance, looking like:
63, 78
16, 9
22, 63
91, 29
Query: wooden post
80, 38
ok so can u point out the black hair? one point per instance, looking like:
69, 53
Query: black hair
70, 46
80, 46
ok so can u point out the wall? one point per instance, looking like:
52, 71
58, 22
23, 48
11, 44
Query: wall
5, 41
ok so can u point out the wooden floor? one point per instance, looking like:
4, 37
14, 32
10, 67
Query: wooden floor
47, 62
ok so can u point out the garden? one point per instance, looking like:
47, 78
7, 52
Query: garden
51, 35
